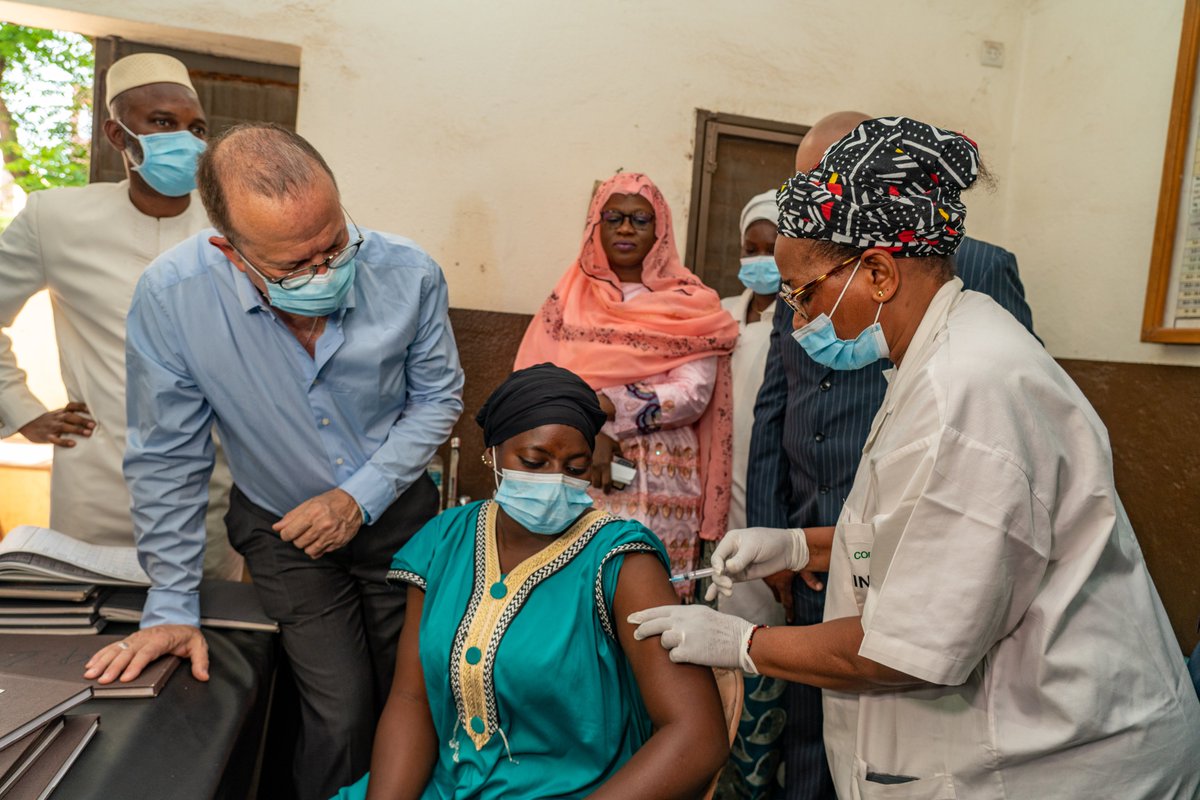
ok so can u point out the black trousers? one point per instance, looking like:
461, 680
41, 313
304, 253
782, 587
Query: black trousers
806, 772
339, 624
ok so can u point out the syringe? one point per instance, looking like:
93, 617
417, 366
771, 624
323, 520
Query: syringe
693, 575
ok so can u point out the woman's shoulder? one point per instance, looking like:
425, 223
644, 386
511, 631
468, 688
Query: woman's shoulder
625, 535
445, 533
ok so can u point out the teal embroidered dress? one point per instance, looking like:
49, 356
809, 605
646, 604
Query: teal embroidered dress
530, 693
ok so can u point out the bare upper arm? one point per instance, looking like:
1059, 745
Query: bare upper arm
672, 692
408, 682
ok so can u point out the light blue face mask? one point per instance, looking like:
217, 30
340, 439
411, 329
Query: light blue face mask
168, 160
319, 297
541, 502
760, 274
823, 346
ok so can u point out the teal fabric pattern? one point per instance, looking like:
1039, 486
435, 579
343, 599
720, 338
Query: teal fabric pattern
530, 692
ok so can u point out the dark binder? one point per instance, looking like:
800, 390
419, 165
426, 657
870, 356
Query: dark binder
45, 774
27, 703
63, 657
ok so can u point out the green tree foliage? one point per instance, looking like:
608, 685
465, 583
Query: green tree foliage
45, 106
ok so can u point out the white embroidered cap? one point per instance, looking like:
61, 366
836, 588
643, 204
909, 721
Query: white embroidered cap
142, 69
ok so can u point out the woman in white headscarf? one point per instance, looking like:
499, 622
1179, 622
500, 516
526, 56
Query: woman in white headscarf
753, 310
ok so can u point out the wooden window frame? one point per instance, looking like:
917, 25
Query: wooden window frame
710, 126
1154, 327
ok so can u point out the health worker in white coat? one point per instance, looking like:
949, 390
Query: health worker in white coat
991, 631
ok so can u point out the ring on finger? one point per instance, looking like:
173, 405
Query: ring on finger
123, 645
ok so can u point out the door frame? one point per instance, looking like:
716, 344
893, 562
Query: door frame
710, 127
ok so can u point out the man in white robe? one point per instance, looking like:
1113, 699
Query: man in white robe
89, 245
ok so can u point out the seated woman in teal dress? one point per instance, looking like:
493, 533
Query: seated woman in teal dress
517, 675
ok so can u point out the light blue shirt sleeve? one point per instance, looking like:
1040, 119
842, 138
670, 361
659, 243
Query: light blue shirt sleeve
434, 381
168, 460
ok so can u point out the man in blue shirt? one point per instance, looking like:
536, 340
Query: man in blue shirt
810, 424
324, 354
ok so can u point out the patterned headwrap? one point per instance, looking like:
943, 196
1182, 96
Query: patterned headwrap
891, 182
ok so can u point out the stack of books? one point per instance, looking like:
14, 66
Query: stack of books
53, 584
39, 741
50, 608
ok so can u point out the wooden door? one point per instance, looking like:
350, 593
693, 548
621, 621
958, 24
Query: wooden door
736, 158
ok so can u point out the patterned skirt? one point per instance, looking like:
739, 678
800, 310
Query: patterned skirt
665, 495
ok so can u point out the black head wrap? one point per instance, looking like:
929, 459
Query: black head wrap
543, 394
891, 182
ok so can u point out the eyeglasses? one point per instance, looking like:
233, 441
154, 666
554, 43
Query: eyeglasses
795, 297
615, 219
303, 275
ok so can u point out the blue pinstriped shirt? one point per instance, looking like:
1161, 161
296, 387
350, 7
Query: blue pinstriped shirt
810, 422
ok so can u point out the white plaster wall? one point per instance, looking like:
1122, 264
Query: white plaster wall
1091, 117
478, 128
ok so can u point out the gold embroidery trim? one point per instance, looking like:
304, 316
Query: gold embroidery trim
484, 626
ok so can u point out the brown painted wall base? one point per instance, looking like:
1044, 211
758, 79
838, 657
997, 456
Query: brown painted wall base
1152, 413
487, 345
1153, 417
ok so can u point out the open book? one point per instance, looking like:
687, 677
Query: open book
40, 554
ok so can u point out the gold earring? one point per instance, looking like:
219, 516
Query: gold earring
483, 458
880, 293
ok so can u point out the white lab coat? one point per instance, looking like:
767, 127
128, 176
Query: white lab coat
89, 245
986, 550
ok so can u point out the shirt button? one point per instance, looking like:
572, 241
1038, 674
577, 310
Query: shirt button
477, 725
325, 420
825, 384
820, 437
474, 655
823, 489
499, 590
340, 461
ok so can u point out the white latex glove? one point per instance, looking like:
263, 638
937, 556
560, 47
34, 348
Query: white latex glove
698, 635
749, 553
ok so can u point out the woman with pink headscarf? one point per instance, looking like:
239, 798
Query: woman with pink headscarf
654, 343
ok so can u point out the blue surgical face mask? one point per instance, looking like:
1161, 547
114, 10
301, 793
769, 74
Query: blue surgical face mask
168, 160
542, 502
759, 274
319, 297
823, 346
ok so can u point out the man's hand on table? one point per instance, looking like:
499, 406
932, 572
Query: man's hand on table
127, 658
321, 524
54, 427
